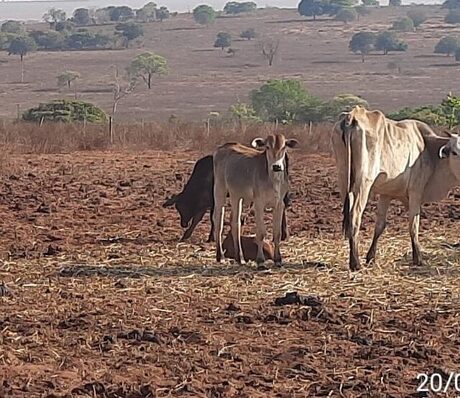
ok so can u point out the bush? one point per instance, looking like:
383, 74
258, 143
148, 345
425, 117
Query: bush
65, 111
403, 25
244, 113
248, 34
87, 40
81, 17
447, 45
129, 31
233, 7
370, 2
453, 17
346, 15
285, 101
49, 40
64, 26
447, 114
344, 103
14, 27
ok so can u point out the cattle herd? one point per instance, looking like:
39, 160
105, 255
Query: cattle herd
403, 160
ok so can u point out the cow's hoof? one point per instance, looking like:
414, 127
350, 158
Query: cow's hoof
355, 267
262, 267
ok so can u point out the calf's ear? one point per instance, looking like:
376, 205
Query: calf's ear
258, 143
170, 201
292, 143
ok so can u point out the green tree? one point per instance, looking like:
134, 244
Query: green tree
387, 41
405, 24
81, 17
67, 78
395, 3
362, 43
453, 17
14, 27
129, 31
22, 45
53, 16
5, 40
65, 111
64, 26
362, 11
311, 8
234, 7
417, 16
121, 13
447, 45
370, 2
248, 34
223, 40
204, 14
146, 66
49, 40
346, 15
344, 103
163, 13
451, 4
148, 13
283, 101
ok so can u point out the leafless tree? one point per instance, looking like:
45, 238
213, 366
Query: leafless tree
269, 49
121, 88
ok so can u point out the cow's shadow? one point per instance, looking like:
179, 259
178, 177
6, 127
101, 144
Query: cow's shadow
435, 265
219, 270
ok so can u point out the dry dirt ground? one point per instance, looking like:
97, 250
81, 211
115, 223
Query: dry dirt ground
100, 299
204, 79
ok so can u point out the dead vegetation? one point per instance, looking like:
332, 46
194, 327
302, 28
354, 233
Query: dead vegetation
62, 137
100, 299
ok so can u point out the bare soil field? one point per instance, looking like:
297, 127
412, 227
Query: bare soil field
204, 79
102, 301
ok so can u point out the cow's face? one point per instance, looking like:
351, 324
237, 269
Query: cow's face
452, 151
183, 208
275, 147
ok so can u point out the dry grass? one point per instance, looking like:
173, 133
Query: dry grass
104, 302
59, 137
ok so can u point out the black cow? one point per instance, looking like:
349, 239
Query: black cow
197, 198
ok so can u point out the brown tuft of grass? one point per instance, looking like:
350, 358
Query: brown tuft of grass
20, 137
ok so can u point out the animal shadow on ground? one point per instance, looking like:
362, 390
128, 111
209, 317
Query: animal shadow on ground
125, 271
435, 265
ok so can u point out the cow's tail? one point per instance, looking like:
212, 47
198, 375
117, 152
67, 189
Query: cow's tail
349, 197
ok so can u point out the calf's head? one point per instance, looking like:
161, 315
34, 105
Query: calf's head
185, 211
275, 146
451, 151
